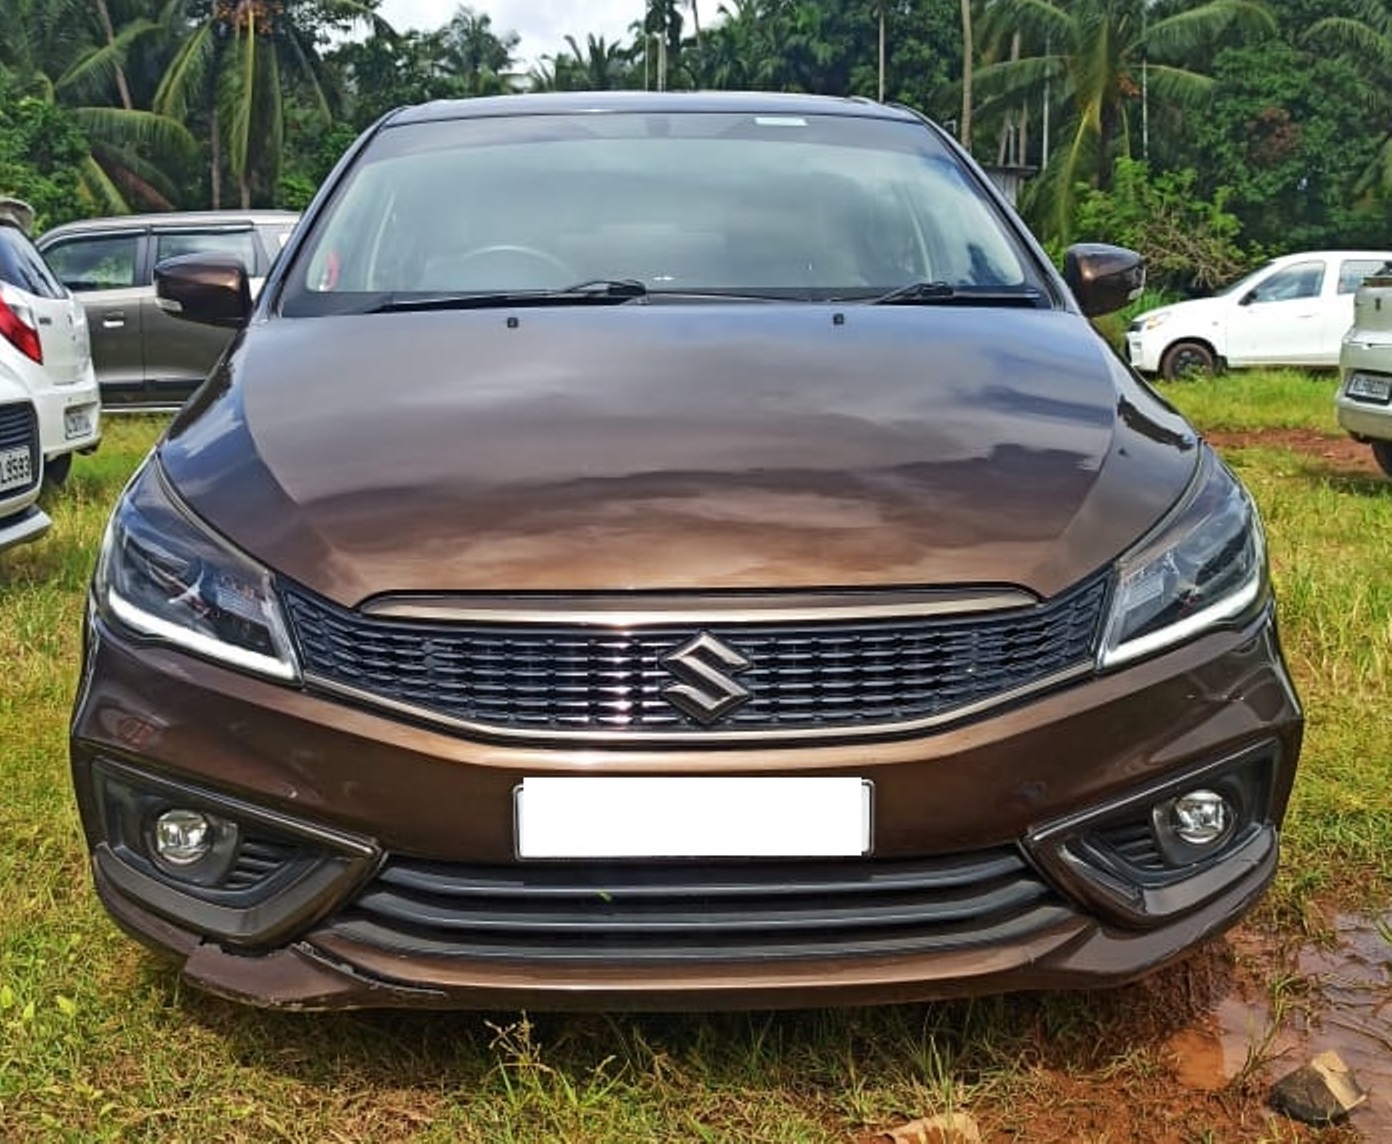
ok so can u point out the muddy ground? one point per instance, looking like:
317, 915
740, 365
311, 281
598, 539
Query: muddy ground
1342, 455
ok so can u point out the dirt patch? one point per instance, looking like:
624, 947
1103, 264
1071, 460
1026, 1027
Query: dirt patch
1340, 454
1190, 1053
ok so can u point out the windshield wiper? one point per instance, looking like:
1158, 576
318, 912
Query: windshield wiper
946, 294
593, 292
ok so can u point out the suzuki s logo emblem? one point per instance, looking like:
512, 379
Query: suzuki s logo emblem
705, 670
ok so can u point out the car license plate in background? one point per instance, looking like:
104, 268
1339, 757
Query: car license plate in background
1364, 387
680, 817
15, 468
77, 422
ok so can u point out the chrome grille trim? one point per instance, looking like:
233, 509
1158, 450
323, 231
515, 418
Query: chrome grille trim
664, 610
570, 683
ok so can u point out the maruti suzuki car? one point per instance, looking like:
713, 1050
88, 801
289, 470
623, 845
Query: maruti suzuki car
674, 551
44, 346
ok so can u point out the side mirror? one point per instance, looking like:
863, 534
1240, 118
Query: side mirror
1248, 298
1103, 278
207, 288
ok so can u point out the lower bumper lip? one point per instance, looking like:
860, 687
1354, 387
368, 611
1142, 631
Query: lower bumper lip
315, 975
410, 790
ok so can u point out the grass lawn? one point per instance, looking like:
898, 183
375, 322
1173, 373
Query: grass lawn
99, 1041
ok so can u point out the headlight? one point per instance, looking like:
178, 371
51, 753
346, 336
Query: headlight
1152, 321
163, 575
1203, 567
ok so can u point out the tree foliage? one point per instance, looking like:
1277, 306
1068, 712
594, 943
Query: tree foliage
41, 152
1189, 242
1260, 124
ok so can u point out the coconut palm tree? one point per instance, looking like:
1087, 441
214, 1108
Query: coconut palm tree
72, 53
1097, 50
598, 66
235, 61
968, 51
881, 13
480, 58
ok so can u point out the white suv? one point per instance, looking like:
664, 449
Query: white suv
44, 346
1292, 311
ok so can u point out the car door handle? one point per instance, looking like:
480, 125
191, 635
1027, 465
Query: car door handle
113, 319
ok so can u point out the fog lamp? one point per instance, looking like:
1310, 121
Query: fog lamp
1201, 817
183, 837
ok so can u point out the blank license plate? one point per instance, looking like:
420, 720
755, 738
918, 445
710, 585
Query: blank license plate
77, 422
680, 817
16, 470
1367, 388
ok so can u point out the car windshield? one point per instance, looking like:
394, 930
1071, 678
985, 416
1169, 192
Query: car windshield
1242, 283
749, 205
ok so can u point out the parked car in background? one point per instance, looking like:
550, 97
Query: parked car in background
21, 466
44, 346
144, 357
1292, 311
1363, 404
762, 586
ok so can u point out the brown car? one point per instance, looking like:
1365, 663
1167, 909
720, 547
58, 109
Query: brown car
675, 551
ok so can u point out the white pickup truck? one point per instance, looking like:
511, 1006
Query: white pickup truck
1292, 311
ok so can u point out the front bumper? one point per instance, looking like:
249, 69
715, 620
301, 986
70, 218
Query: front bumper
385, 796
1143, 352
23, 526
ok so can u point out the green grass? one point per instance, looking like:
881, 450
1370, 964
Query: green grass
100, 1042
1254, 400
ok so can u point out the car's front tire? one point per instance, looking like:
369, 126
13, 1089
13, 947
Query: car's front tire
56, 469
1187, 359
1382, 453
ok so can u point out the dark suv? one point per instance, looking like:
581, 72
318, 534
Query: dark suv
144, 357
675, 551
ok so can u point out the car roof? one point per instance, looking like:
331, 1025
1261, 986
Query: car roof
587, 102
172, 219
1302, 255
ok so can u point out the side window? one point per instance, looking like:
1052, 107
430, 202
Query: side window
1352, 273
101, 263
273, 236
1303, 280
238, 243
22, 266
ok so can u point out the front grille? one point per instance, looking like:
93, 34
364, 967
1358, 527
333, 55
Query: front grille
19, 428
819, 676
665, 913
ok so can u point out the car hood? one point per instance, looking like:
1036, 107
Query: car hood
1193, 310
678, 447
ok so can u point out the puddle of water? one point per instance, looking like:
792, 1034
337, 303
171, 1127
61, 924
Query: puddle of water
1354, 1017
1213, 1051
1348, 1010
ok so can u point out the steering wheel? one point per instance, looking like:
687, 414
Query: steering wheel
516, 251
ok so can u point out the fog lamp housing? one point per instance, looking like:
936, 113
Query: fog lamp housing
182, 837
1198, 817
212, 864
1169, 848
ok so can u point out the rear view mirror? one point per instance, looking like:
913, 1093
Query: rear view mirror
1103, 278
207, 288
